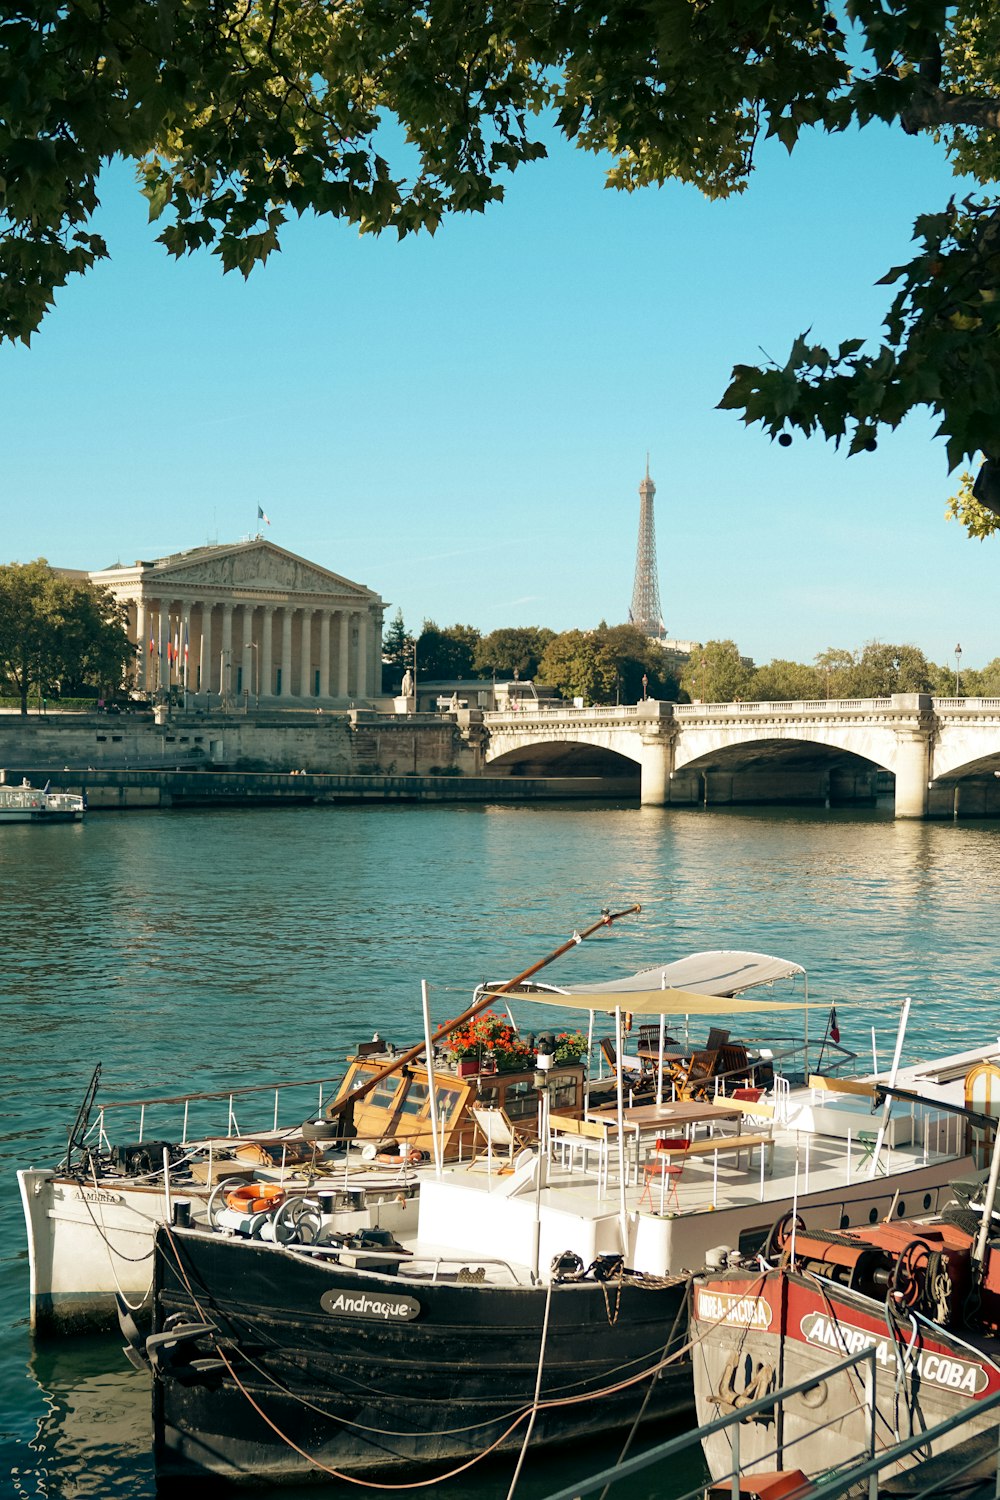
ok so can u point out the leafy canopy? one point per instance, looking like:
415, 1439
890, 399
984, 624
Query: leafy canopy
390, 115
59, 634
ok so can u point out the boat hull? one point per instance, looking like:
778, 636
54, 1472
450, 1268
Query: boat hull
364, 1391
754, 1333
90, 1243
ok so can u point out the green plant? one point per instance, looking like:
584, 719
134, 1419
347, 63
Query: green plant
570, 1047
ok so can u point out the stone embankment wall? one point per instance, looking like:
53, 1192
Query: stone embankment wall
352, 743
126, 761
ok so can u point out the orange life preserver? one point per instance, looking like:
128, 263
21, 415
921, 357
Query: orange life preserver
256, 1197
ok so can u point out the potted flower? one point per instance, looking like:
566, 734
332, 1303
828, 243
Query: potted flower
570, 1047
487, 1038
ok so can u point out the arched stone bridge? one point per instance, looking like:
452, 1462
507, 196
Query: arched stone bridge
943, 753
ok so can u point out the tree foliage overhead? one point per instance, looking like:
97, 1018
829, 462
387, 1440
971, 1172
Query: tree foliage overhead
392, 114
58, 633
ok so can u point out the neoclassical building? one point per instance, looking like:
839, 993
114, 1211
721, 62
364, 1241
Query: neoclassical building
250, 621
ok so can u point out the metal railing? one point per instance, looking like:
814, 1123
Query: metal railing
856, 1474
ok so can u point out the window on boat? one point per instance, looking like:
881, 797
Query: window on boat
563, 1090
416, 1099
521, 1099
448, 1101
383, 1094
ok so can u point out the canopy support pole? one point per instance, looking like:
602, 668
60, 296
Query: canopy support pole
622, 1209
432, 1094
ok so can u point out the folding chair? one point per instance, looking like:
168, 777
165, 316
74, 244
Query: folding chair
660, 1168
632, 1068
867, 1140
716, 1038
497, 1130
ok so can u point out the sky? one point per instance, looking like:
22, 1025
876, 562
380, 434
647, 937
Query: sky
462, 422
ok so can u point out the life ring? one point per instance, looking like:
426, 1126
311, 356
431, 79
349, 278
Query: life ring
400, 1159
256, 1197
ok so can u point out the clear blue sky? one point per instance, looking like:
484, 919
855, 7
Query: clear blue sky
462, 423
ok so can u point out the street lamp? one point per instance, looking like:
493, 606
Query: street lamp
958, 659
645, 687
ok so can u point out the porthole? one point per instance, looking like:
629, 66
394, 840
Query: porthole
873, 1216
900, 1209
845, 1221
815, 1395
927, 1200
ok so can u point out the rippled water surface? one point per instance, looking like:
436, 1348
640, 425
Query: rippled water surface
191, 950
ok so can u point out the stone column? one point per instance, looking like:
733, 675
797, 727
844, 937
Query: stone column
185, 647
913, 753
324, 653
286, 652
267, 631
912, 766
142, 641
658, 738
344, 655
305, 654
205, 649
362, 653
654, 768
248, 654
226, 659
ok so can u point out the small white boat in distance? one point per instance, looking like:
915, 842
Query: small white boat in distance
28, 804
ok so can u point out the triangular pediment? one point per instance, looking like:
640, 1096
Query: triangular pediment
251, 567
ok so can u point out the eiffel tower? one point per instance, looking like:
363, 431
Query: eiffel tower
645, 611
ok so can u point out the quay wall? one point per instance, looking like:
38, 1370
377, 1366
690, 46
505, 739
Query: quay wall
131, 761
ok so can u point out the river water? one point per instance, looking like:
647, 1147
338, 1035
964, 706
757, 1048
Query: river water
195, 950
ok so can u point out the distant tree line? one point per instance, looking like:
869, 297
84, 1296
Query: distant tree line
60, 637
607, 665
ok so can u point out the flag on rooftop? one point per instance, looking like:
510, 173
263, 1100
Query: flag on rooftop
261, 516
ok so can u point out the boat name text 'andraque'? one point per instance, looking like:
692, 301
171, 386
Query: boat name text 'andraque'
360, 1305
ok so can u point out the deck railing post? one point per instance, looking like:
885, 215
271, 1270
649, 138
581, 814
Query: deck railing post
184, 1133
734, 1483
870, 1404
276, 1109
142, 1121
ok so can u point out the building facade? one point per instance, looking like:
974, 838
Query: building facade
250, 622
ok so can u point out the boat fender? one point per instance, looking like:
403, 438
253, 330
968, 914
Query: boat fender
718, 1258
567, 1267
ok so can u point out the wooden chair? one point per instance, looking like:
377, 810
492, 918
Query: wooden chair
649, 1039
661, 1169
734, 1066
631, 1071
691, 1080
716, 1038
497, 1130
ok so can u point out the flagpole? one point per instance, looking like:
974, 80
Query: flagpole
819, 1060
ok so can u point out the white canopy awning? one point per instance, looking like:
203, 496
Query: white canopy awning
703, 984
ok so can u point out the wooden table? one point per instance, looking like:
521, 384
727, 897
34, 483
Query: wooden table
651, 1120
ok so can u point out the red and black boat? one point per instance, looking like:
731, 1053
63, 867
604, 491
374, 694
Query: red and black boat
923, 1296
